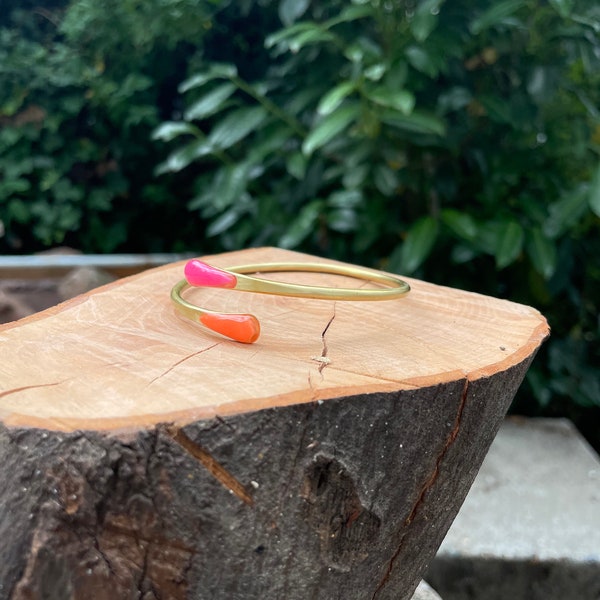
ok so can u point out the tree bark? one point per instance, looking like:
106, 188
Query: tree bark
144, 457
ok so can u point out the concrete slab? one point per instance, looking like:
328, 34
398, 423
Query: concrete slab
530, 526
425, 592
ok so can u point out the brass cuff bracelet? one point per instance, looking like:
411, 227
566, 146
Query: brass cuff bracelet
246, 327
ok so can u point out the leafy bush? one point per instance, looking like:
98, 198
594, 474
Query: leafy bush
454, 141
84, 84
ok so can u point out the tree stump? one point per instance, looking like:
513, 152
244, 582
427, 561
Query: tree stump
144, 457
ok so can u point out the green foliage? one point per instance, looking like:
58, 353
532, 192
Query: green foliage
83, 86
455, 141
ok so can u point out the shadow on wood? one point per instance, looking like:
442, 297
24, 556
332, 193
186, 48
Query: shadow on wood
144, 457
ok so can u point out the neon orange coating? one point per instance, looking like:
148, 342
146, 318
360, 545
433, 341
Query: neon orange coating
241, 328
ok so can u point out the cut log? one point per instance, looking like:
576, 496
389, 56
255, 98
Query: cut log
142, 456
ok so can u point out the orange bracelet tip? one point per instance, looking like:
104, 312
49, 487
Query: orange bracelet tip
241, 328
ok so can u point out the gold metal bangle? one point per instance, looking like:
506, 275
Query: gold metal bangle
246, 327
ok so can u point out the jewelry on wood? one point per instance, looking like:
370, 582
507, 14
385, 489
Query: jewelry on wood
246, 327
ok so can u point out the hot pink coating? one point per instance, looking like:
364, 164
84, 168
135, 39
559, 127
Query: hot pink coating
200, 274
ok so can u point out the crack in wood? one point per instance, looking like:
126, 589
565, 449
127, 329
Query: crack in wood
102, 554
29, 387
426, 487
216, 469
179, 362
323, 359
143, 570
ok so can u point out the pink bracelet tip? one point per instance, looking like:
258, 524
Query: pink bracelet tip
201, 274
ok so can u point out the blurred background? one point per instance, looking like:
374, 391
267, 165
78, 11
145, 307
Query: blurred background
457, 142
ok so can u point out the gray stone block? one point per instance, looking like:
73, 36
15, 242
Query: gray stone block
530, 526
425, 592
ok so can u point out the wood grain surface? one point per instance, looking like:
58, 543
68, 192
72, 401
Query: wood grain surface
120, 357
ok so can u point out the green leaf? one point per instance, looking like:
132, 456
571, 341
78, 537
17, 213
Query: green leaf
236, 126
462, 253
401, 100
425, 18
566, 212
292, 10
224, 221
397, 75
365, 50
487, 237
287, 33
422, 61
182, 157
100, 199
350, 13
210, 103
355, 176
594, 195
343, 220
385, 179
203, 200
345, 199
455, 98
19, 211
171, 129
416, 122
297, 36
509, 243
462, 224
418, 245
495, 15
217, 71
273, 137
11, 187
563, 7
332, 99
230, 184
330, 126
310, 37
375, 72
497, 108
296, 165
542, 252
301, 100
302, 226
